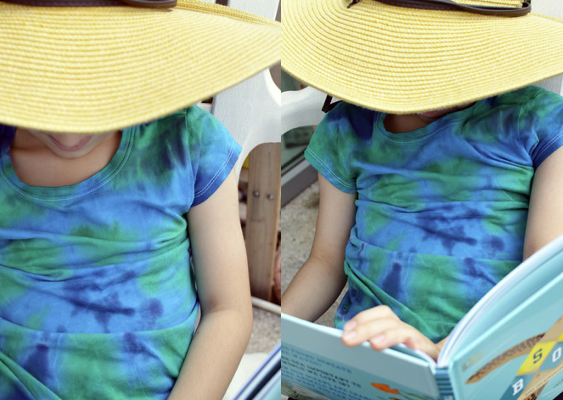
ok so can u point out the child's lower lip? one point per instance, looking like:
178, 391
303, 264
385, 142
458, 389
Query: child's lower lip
76, 147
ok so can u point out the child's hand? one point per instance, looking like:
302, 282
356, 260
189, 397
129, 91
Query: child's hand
383, 329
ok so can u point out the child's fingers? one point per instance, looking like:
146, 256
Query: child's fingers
368, 324
386, 332
404, 333
370, 314
398, 333
368, 330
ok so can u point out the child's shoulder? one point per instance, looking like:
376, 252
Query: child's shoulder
190, 124
350, 120
187, 116
536, 111
533, 97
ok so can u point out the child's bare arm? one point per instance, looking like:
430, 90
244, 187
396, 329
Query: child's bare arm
321, 279
223, 289
545, 216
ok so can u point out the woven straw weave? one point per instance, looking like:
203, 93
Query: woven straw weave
403, 60
96, 69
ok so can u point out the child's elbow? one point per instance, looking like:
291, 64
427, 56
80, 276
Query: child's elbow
249, 326
247, 319
243, 314
243, 319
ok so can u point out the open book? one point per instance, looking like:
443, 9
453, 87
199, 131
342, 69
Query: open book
508, 347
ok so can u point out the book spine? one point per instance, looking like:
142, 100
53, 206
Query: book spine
444, 384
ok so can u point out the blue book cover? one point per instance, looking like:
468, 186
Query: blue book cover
508, 347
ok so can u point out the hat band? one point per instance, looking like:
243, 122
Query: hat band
449, 5
95, 3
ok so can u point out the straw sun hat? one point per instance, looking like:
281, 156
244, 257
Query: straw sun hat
408, 56
101, 65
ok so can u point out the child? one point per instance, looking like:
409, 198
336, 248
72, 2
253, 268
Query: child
431, 200
97, 297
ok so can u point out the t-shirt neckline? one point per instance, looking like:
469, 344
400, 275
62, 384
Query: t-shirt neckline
426, 131
79, 189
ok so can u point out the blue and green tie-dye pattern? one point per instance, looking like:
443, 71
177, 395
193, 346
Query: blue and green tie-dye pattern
441, 211
97, 300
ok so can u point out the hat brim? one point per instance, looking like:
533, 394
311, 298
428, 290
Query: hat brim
97, 69
402, 60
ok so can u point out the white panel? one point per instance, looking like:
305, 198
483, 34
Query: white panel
251, 112
552, 8
554, 84
265, 8
251, 109
301, 108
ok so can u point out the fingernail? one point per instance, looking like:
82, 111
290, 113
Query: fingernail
377, 339
349, 335
349, 325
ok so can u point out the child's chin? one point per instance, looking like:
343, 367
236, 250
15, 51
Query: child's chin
435, 113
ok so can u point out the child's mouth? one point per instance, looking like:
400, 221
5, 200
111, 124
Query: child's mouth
75, 147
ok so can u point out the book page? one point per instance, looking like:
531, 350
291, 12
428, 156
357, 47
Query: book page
523, 282
520, 358
316, 365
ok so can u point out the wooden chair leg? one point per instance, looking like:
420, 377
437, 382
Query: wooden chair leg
262, 216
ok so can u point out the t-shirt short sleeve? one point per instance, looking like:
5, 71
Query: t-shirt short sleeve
335, 141
213, 152
541, 121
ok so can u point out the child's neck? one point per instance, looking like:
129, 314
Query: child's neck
409, 122
403, 123
37, 165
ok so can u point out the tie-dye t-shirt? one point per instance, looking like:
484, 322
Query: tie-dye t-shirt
441, 210
97, 299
